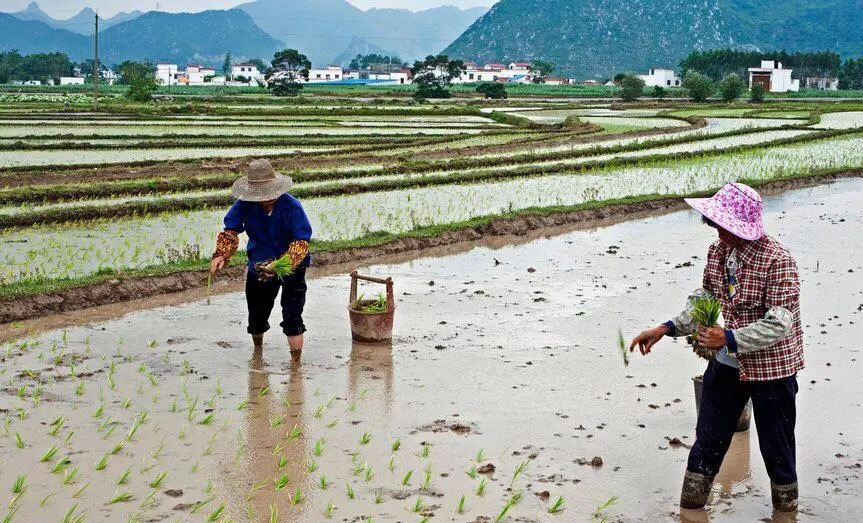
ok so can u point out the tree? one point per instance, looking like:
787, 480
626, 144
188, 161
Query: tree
731, 87
260, 64
434, 74
492, 90
226, 66
541, 70
756, 94
141, 79
700, 86
631, 87
851, 74
618, 78
290, 67
658, 91
367, 61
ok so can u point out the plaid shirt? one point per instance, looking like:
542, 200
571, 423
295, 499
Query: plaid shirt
767, 286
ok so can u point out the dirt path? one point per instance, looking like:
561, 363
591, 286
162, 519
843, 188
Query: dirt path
508, 351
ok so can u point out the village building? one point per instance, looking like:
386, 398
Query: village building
824, 83
167, 74
249, 72
330, 73
197, 74
71, 80
661, 77
515, 72
773, 77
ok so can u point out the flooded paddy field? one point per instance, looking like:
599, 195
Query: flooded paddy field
503, 386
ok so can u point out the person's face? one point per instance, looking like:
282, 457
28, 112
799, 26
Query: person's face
728, 238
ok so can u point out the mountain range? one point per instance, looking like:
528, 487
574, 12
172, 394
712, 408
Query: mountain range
602, 37
325, 29
154, 36
82, 23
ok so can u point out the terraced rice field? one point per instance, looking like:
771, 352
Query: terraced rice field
385, 173
141, 419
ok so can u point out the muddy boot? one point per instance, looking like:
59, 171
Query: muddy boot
784, 497
258, 340
696, 490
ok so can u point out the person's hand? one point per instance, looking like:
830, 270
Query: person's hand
217, 265
648, 339
711, 337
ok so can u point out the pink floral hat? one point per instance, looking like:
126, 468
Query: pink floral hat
736, 208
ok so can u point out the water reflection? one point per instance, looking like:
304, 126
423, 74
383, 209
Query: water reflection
370, 375
274, 417
736, 465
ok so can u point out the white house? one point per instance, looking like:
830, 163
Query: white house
167, 74
71, 80
330, 73
773, 77
196, 74
249, 71
660, 77
516, 72
824, 83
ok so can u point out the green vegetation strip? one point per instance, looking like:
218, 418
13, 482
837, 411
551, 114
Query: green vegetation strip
34, 287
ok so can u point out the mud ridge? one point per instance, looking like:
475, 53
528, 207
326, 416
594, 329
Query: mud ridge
126, 289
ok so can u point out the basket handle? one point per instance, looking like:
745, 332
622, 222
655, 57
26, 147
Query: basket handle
391, 304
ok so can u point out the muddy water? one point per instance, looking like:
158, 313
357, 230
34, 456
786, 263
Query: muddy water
514, 348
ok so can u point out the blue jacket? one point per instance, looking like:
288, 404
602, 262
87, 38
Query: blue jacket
269, 235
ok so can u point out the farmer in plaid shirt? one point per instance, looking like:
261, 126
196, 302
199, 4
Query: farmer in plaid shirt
757, 353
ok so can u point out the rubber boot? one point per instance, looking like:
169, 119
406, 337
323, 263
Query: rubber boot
258, 340
784, 497
695, 491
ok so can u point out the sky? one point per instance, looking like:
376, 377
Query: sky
62, 9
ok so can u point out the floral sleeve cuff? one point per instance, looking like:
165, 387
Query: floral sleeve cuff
226, 244
297, 250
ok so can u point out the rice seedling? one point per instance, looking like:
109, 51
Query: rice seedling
60, 465
396, 445
243, 404
297, 498
99, 411
418, 504
80, 490
294, 433
120, 497
480, 457
10, 514
511, 502
102, 462
461, 505
276, 421
328, 511
124, 477
69, 475
323, 483
126, 403
44, 501
283, 462
79, 389
214, 515
19, 442
208, 419
392, 465
472, 472
149, 501
319, 412
406, 480
118, 447
201, 504
556, 507
209, 487
519, 470
312, 466
263, 391
480, 489
281, 482
424, 453
318, 448
621, 345
379, 497
49, 454
332, 424
278, 448
274, 514
597, 514
160, 478
350, 491
20, 484
365, 438
68, 516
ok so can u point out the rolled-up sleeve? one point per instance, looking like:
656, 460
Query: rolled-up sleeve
684, 324
782, 297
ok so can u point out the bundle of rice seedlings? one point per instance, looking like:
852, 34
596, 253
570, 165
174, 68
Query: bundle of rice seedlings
281, 267
706, 312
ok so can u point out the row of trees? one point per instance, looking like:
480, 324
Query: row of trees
699, 86
41, 66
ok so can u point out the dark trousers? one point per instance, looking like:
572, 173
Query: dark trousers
722, 402
261, 296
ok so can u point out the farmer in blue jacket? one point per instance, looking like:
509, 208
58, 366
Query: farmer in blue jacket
277, 227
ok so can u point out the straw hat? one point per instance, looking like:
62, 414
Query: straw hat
261, 183
736, 208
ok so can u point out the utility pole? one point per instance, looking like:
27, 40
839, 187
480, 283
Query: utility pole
96, 67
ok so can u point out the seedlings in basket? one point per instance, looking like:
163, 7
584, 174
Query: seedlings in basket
371, 306
557, 506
